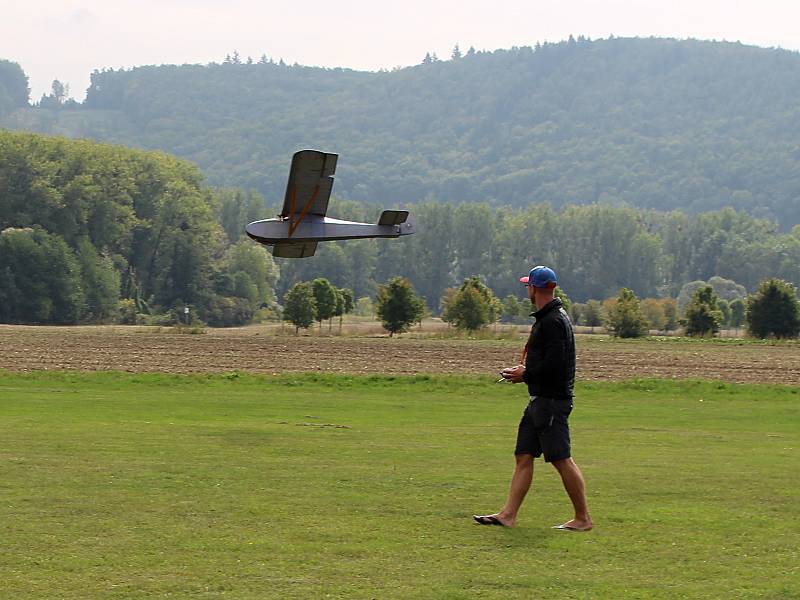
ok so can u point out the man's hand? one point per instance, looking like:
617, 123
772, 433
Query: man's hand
513, 374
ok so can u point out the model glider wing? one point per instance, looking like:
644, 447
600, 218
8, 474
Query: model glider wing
310, 184
295, 250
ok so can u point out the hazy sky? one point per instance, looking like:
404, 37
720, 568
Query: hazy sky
66, 40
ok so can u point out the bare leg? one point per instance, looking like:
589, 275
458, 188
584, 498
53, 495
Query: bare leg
572, 478
520, 484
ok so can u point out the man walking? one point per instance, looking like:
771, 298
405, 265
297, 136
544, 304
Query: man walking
549, 371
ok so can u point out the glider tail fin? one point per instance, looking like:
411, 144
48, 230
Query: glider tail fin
393, 217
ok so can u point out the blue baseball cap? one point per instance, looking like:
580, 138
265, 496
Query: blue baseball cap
540, 277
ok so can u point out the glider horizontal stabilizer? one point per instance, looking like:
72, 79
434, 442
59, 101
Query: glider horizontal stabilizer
393, 217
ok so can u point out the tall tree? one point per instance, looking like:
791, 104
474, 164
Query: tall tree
624, 316
593, 314
99, 281
345, 304
40, 277
398, 307
738, 311
702, 315
469, 310
774, 310
300, 306
325, 297
14, 91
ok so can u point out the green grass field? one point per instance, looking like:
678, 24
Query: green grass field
117, 485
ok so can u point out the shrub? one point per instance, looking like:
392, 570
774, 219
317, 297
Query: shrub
624, 316
593, 314
469, 310
300, 306
398, 306
703, 316
774, 310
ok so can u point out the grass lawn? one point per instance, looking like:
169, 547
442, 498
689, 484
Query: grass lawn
306, 486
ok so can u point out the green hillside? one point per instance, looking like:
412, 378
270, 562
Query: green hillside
655, 123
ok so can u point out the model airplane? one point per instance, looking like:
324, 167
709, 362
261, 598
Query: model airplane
302, 222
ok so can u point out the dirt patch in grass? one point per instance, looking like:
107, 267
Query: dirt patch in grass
267, 350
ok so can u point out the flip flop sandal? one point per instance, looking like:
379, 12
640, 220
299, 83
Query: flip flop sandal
488, 520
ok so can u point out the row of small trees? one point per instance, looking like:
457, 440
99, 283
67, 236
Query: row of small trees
397, 305
773, 311
317, 300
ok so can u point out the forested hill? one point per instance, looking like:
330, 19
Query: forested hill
651, 122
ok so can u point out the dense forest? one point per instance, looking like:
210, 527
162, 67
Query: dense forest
596, 249
91, 232
651, 123
84, 225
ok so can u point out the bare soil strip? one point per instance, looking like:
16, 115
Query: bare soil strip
263, 350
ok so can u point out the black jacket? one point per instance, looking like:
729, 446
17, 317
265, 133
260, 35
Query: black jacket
550, 362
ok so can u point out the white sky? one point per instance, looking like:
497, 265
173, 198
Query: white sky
66, 40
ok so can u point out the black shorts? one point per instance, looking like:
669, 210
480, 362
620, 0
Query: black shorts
544, 429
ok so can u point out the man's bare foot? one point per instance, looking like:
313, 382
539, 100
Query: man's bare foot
494, 519
576, 525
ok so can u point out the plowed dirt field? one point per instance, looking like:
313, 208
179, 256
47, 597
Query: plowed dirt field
266, 350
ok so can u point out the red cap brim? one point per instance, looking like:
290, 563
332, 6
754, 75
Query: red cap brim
524, 280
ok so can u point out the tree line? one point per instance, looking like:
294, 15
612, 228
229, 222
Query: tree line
99, 233
596, 250
657, 123
772, 311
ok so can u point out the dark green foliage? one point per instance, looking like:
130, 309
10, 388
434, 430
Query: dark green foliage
14, 91
688, 290
595, 249
468, 310
252, 259
40, 278
127, 313
473, 306
244, 287
300, 306
576, 312
345, 303
660, 123
774, 310
624, 317
703, 316
99, 281
653, 311
738, 310
348, 300
670, 307
150, 216
397, 306
325, 297
593, 314
725, 309
223, 311
237, 209
141, 224
515, 309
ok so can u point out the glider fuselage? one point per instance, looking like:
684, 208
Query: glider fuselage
321, 229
